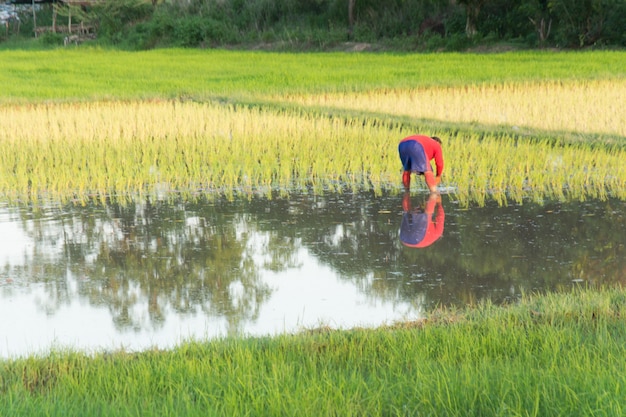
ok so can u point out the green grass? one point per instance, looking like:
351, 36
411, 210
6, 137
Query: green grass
559, 354
86, 74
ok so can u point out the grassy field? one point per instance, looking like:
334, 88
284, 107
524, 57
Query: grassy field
546, 356
87, 74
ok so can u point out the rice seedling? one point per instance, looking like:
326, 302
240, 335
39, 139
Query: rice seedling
124, 148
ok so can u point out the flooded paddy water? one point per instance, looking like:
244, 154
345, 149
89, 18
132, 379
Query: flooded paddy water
153, 273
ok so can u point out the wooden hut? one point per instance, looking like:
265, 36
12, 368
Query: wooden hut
80, 30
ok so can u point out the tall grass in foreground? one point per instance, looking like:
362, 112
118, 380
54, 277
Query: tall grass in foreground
560, 354
587, 107
121, 148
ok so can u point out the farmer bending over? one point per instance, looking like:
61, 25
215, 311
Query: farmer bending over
416, 152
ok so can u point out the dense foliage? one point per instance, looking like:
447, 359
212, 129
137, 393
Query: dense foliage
322, 24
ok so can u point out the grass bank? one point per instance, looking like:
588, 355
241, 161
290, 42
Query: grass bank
558, 354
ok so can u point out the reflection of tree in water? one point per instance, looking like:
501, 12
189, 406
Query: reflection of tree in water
163, 256
604, 263
144, 260
488, 252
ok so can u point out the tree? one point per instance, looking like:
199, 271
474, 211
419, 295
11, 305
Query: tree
582, 22
472, 9
351, 16
539, 15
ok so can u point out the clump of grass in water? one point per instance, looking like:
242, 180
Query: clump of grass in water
122, 148
557, 354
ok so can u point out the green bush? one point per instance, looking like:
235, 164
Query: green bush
615, 33
114, 17
587, 22
433, 42
189, 31
52, 39
459, 42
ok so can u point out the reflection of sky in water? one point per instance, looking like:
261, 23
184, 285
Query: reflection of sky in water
156, 274
306, 296
14, 244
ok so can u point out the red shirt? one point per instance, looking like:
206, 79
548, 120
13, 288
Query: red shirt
435, 229
432, 150
418, 229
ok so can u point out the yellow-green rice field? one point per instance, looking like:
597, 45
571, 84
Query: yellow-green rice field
71, 149
592, 106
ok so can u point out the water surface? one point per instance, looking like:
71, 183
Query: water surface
153, 273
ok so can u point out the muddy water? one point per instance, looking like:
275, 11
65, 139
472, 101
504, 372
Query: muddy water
155, 273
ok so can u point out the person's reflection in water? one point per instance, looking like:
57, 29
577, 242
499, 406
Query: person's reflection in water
418, 229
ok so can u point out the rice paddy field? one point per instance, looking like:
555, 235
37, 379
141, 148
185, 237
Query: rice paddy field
92, 124
119, 124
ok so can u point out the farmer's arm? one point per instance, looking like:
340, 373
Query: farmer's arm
439, 162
